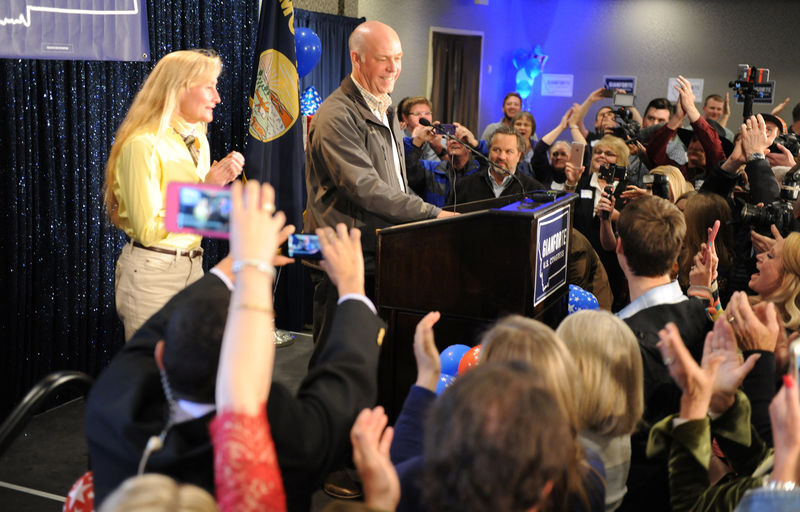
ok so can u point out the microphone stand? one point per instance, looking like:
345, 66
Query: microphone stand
478, 154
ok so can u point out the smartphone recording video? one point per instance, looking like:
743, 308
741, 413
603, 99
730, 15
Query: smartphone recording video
304, 247
200, 209
445, 129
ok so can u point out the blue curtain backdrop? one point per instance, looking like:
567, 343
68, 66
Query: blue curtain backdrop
334, 63
57, 250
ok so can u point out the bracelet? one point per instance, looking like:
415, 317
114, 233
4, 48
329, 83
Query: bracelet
261, 265
570, 187
254, 307
775, 485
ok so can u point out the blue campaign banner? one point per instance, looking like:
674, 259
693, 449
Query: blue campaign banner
552, 247
626, 83
74, 30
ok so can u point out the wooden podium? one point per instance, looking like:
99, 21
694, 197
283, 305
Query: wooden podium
473, 268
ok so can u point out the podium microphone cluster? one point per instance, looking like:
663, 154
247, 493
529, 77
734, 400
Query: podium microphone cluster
478, 154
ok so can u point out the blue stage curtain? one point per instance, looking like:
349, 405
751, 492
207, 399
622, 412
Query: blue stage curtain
334, 64
57, 247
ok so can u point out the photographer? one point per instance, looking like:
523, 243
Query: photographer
705, 140
433, 180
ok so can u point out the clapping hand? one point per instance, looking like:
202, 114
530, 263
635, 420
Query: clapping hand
732, 370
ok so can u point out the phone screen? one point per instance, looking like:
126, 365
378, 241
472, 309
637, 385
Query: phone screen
200, 209
304, 247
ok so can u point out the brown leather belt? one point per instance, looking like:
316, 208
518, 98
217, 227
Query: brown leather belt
193, 253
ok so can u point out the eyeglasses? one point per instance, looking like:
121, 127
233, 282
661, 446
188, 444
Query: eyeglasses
420, 114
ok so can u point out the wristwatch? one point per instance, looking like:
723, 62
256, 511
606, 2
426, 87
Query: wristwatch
755, 156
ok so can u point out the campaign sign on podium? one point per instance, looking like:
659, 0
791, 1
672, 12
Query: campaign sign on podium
552, 235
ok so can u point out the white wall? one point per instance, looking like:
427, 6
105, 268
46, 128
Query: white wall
651, 39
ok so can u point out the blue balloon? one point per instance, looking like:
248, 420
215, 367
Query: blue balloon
520, 57
524, 84
444, 382
450, 357
308, 48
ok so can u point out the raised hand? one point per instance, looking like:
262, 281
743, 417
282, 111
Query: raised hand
573, 174
371, 440
784, 414
344, 261
754, 136
732, 370
429, 366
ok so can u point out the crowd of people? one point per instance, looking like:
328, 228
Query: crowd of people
680, 393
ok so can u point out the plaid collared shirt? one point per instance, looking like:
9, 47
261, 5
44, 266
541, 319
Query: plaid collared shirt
378, 105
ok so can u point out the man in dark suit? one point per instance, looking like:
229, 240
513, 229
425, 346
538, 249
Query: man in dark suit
651, 232
128, 405
501, 179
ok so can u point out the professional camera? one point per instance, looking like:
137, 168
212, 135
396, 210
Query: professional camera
627, 128
790, 188
777, 212
658, 184
787, 140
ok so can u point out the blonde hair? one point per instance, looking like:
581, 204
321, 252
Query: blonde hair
678, 185
787, 297
618, 146
154, 105
158, 493
610, 367
516, 338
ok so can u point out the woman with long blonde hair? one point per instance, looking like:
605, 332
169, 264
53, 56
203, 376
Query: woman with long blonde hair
516, 338
611, 399
162, 140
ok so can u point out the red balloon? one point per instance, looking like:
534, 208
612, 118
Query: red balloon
469, 359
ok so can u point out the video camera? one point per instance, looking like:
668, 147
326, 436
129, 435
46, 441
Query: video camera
627, 129
780, 212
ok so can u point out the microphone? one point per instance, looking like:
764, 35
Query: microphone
478, 154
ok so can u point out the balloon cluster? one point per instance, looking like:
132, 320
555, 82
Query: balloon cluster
529, 64
309, 101
580, 299
455, 360
308, 48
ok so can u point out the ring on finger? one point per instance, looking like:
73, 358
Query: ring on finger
731, 319
669, 360
268, 207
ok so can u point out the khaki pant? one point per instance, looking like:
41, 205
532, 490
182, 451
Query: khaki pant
145, 280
